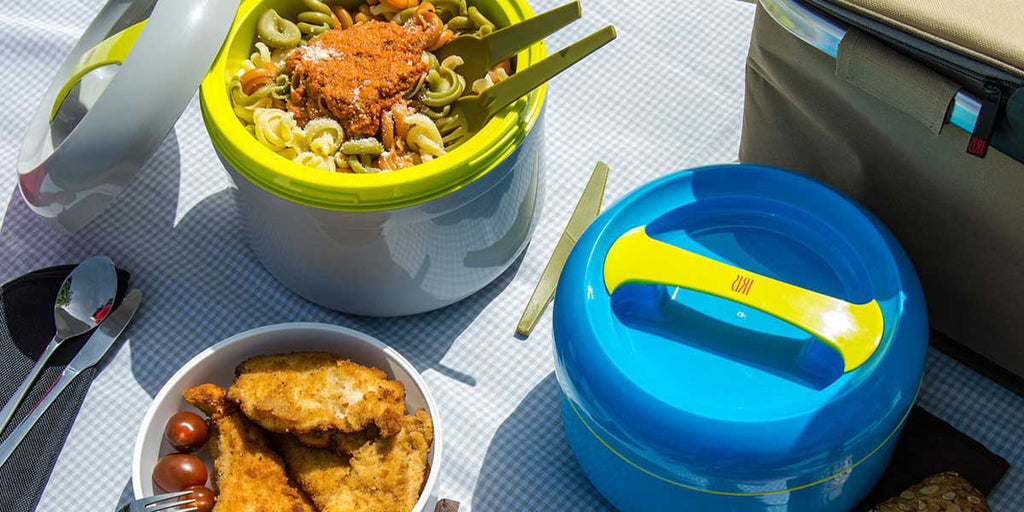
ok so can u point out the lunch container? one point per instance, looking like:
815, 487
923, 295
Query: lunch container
915, 109
737, 338
217, 364
382, 244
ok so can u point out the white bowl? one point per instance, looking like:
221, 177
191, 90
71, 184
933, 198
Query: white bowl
217, 365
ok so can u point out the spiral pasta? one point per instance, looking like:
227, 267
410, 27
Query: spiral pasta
247, 112
451, 7
386, 11
324, 136
271, 95
482, 84
317, 20
360, 164
310, 159
261, 57
275, 128
273, 90
468, 20
444, 85
367, 146
277, 31
424, 137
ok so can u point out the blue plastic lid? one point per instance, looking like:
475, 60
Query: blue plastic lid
703, 391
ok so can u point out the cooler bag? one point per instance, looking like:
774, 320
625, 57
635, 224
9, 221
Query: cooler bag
916, 109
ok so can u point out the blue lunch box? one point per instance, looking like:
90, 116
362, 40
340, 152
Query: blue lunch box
737, 338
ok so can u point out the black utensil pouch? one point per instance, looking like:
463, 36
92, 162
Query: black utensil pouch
928, 446
26, 326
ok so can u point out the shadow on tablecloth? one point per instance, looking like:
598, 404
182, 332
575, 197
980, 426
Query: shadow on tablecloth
529, 466
529, 462
127, 494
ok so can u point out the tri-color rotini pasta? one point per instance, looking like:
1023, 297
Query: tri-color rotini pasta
353, 85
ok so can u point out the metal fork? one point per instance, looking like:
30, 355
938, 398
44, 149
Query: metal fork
160, 502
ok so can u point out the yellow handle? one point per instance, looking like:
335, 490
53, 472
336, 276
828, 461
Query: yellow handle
854, 330
112, 50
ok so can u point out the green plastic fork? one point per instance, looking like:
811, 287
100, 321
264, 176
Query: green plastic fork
481, 54
475, 110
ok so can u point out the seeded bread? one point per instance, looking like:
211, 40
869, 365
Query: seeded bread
944, 492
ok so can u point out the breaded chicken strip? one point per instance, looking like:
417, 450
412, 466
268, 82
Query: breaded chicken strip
310, 392
385, 475
342, 443
247, 474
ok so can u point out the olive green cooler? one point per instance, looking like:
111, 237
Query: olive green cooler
916, 109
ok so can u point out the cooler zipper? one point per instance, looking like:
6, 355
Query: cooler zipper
991, 84
947, 59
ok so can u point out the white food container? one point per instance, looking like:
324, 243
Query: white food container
217, 364
384, 244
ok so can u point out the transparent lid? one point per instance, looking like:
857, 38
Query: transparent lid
82, 147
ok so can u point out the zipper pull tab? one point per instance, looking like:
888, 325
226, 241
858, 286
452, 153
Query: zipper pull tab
986, 122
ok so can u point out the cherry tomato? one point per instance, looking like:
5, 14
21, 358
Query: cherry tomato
179, 471
204, 497
186, 431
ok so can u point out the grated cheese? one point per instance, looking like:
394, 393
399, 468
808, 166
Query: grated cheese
318, 53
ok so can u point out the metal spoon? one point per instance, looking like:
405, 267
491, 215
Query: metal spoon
83, 301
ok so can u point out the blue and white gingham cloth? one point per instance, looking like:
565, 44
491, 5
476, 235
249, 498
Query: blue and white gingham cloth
666, 95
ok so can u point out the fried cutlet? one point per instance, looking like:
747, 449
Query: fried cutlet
303, 393
248, 475
385, 475
342, 443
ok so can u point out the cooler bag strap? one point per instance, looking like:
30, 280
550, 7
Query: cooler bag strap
896, 79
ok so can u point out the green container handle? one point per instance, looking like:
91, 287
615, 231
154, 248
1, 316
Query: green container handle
113, 50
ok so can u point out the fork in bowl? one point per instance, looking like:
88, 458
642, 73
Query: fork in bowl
473, 111
481, 54
161, 502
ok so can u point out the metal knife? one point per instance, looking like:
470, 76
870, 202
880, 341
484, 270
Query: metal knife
89, 355
586, 211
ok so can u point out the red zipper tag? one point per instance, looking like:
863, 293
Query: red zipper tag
986, 123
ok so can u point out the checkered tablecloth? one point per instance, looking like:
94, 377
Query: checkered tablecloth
666, 95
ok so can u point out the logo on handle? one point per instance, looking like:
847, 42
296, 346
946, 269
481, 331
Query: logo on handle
742, 284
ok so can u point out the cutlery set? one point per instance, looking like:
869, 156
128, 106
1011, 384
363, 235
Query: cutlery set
84, 303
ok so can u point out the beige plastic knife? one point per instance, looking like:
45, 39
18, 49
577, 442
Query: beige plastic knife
586, 211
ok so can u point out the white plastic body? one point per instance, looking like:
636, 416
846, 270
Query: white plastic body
217, 365
403, 261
